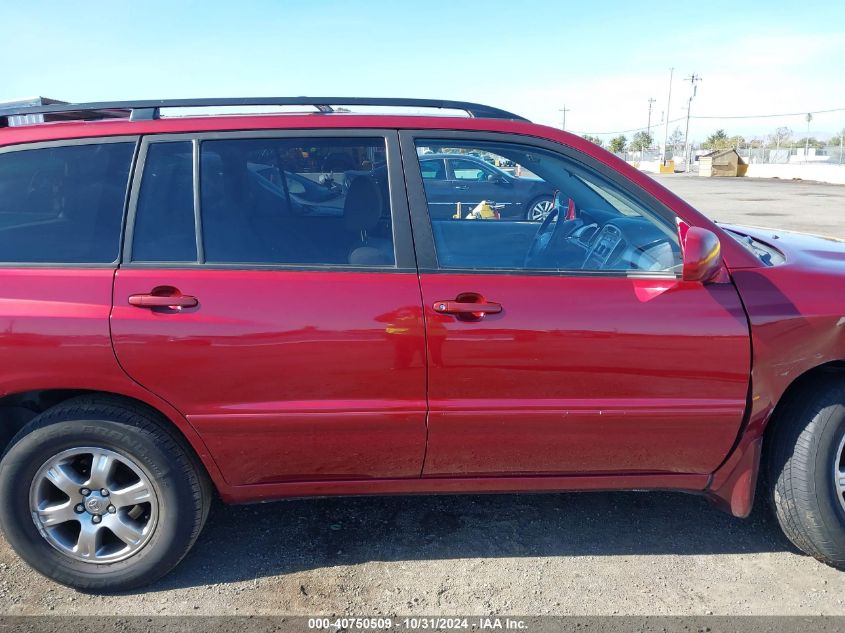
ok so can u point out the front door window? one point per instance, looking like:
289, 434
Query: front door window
589, 224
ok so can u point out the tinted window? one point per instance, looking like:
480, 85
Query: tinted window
296, 201
467, 170
433, 169
63, 204
553, 214
164, 220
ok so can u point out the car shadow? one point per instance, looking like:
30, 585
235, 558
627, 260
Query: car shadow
246, 542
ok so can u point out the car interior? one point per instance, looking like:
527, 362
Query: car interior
67, 208
263, 202
269, 201
249, 217
592, 226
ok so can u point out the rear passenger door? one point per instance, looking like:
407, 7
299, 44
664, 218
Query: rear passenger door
269, 292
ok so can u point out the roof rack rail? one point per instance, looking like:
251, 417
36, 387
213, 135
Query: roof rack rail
149, 109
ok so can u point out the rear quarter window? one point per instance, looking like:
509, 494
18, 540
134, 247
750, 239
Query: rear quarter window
63, 205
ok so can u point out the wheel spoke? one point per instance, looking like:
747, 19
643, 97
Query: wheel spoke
840, 481
52, 516
128, 527
139, 492
123, 529
86, 546
60, 476
101, 468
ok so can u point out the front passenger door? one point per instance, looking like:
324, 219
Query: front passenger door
589, 356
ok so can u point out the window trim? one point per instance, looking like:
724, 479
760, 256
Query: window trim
88, 140
403, 248
421, 222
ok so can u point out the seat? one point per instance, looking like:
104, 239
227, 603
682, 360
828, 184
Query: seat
362, 211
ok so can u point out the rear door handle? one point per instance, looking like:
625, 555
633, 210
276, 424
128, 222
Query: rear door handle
467, 306
163, 297
462, 187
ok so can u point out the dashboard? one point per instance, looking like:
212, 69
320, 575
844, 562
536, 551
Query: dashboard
628, 243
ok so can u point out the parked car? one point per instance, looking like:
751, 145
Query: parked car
173, 329
464, 178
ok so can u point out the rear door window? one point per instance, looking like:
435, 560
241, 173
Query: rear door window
433, 169
467, 170
63, 205
164, 221
301, 201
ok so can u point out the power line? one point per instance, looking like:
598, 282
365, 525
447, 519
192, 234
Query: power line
636, 129
764, 116
739, 116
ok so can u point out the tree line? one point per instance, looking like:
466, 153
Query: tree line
782, 137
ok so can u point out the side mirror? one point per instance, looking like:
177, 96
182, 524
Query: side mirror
702, 255
496, 180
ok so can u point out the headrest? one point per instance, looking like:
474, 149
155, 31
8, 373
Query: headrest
362, 207
368, 256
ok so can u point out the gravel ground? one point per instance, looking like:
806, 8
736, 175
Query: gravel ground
588, 553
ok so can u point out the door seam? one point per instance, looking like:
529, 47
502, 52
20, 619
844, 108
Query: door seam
426, 359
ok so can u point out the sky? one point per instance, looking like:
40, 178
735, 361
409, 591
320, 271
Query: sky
602, 59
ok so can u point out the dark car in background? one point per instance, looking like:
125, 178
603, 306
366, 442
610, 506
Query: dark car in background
464, 178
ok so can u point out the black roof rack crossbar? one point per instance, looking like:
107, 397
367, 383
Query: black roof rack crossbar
149, 109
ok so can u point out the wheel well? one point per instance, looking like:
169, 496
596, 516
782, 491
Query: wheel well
16, 410
799, 384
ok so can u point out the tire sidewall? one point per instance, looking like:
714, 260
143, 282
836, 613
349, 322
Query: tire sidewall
172, 532
831, 512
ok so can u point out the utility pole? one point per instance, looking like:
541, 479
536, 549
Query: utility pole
841, 141
668, 110
693, 79
648, 130
807, 140
564, 109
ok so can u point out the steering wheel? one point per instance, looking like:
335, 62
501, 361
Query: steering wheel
554, 226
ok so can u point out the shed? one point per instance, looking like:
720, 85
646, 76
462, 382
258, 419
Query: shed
721, 162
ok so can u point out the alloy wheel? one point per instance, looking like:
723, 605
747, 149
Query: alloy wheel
540, 210
94, 505
839, 472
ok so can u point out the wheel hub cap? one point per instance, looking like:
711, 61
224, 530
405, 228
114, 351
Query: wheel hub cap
94, 505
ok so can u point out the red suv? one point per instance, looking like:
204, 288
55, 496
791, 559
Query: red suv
264, 306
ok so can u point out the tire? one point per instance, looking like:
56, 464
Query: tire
803, 461
533, 212
134, 444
